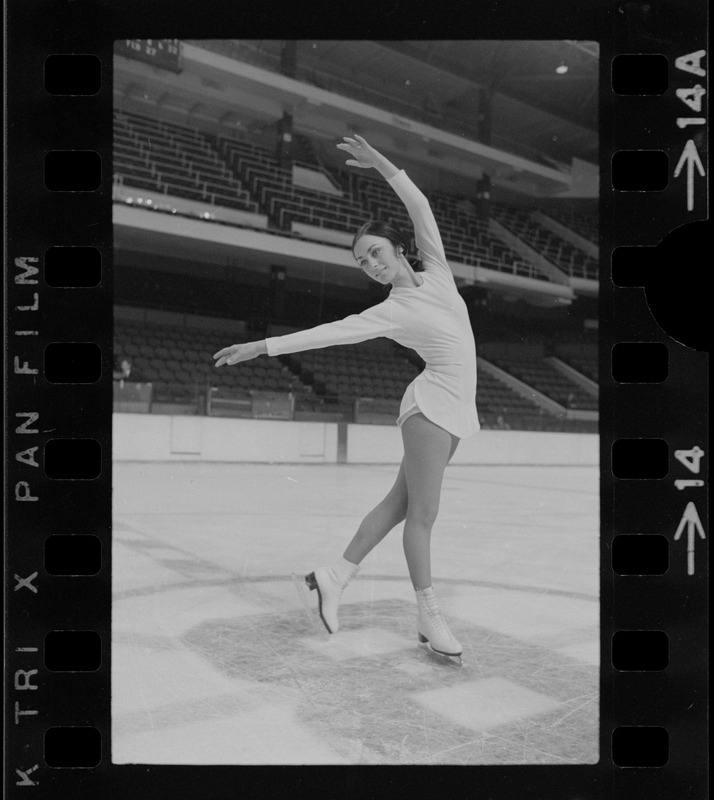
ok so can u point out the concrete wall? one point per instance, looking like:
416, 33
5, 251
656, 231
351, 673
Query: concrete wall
155, 437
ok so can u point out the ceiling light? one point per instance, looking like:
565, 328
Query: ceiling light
562, 68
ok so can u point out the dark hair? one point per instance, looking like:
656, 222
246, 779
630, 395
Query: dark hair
378, 227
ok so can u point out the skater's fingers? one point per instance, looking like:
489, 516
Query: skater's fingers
223, 351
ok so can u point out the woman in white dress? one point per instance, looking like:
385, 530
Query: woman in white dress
423, 311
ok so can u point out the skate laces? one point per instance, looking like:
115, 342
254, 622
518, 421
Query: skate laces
436, 617
431, 607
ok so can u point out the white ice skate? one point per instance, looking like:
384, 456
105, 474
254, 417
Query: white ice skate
330, 582
432, 628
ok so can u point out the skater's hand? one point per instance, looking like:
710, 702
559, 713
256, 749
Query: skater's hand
235, 353
363, 154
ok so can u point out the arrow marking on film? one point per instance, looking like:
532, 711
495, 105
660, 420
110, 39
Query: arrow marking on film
690, 157
690, 520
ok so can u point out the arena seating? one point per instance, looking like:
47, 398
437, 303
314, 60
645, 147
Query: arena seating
583, 363
178, 160
560, 253
178, 361
584, 223
374, 369
271, 185
174, 160
182, 356
544, 378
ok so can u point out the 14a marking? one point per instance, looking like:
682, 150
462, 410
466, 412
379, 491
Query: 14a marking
692, 97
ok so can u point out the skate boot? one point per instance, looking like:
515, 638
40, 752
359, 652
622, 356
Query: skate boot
432, 628
330, 582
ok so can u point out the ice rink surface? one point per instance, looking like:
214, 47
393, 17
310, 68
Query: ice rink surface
216, 661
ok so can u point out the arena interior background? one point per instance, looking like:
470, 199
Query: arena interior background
233, 217
233, 214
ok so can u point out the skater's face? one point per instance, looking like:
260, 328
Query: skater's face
379, 258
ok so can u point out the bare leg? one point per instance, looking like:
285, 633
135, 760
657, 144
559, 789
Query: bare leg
331, 581
427, 450
380, 520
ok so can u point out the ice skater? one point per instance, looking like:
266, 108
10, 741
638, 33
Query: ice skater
425, 312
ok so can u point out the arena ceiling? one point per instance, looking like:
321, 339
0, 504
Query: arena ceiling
544, 94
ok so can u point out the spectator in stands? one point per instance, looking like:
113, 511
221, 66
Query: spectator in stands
425, 312
126, 372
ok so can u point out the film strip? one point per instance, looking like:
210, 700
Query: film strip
653, 389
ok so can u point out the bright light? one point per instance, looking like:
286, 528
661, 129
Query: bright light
562, 68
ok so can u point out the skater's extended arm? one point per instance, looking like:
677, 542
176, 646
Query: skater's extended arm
426, 231
370, 324
235, 353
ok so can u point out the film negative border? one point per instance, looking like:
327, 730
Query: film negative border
58, 406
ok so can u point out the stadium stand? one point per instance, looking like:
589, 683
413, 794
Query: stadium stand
182, 161
177, 360
178, 160
173, 159
271, 185
584, 223
182, 357
545, 379
584, 362
560, 253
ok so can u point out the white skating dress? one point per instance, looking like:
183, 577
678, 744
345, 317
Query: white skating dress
431, 318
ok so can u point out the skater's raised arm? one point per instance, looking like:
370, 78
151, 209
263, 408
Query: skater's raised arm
426, 231
365, 156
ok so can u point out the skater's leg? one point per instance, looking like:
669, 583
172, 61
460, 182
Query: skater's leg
427, 450
332, 580
380, 520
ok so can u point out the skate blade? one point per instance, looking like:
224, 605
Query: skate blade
303, 593
312, 585
445, 658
